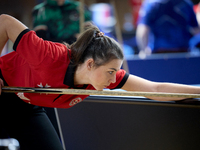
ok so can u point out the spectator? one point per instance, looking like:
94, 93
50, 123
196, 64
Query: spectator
165, 26
58, 20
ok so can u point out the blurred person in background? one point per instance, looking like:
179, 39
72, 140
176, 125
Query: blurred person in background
165, 26
136, 4
59, 20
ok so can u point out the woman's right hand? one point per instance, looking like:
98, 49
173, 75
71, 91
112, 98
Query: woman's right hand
1, 85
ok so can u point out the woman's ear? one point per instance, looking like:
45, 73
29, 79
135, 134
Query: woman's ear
90, 63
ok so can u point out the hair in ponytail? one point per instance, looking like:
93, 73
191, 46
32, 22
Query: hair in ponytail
93, 44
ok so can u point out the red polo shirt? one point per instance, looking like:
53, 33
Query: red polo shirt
45, 64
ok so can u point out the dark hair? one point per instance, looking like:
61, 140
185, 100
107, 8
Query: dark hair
102, 49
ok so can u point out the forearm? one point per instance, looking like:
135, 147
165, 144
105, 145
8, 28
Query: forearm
175, 88
142, 37
135, 83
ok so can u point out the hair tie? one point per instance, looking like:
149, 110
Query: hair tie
99, 34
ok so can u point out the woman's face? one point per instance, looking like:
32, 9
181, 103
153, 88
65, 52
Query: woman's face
104, 75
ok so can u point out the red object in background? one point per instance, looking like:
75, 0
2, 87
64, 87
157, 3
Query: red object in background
136, 4
196, 8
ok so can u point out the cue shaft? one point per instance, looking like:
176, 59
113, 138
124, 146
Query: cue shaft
8, 89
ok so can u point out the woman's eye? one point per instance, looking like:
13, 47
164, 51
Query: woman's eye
110, 72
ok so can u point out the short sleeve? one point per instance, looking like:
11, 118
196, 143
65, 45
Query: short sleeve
34, 49
121, 78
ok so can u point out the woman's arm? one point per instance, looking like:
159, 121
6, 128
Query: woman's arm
142, 34
10, 28
135, 83
142, 38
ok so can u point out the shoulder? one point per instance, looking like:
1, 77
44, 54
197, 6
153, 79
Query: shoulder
188, 2
26, 31
148, 7
35, 49
121, 78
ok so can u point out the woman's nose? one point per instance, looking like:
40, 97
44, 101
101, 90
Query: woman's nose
113, 80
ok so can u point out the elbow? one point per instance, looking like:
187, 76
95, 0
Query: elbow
4, 20
3, 17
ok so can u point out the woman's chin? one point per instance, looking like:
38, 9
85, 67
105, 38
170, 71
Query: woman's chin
99, 89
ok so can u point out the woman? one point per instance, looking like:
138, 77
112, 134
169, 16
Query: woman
92, 62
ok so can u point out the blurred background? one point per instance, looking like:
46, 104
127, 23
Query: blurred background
102, 10
118, 19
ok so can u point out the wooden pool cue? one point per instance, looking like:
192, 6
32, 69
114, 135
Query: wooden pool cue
8, 89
